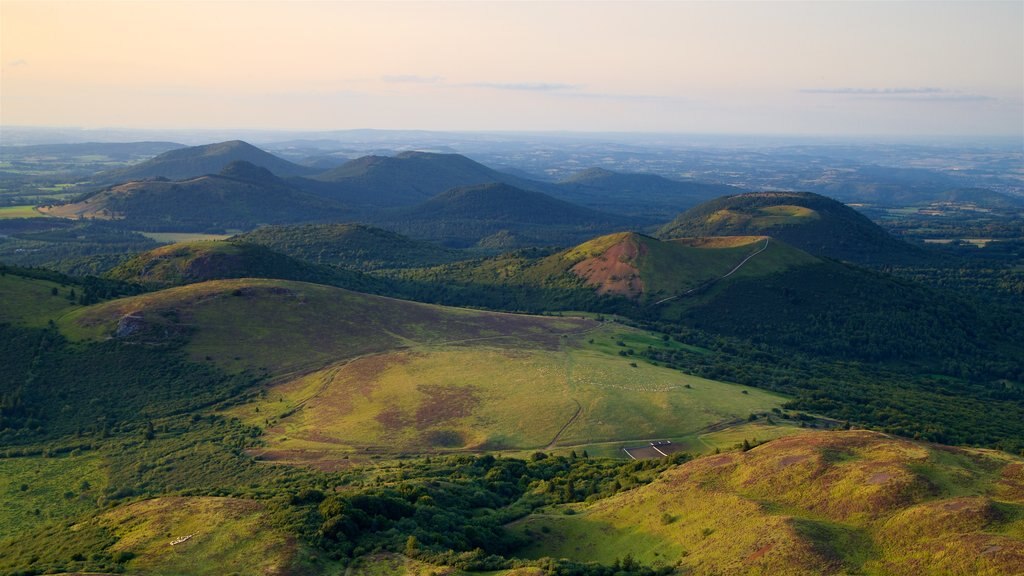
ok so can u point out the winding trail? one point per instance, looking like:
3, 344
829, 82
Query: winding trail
579, 409
730, 273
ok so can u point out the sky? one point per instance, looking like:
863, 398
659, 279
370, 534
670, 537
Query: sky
801, 68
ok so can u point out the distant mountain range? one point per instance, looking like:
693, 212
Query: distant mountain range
195, 161
637, 194
464, 216
241, 196
408, 178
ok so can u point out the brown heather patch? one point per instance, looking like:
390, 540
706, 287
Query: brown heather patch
842, 475
393, 419
443, 404
361, 375
1011, 483
974, 554
938, 518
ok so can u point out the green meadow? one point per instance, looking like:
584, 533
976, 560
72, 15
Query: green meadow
478, 396
25, 211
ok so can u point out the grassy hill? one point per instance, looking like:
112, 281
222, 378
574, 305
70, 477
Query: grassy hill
647, 195
462, 217
195, 161
396, 376
495, 394
407, 178
198, 261
816, 224
242, 196
826, 503
356, 246
639, 268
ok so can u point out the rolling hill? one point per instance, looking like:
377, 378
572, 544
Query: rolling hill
389, 375
195, 161
647, 195
199, 261
356, 246
826, 503
813, 223
407, 179
462, 217
751, 287
241, 196
633, 266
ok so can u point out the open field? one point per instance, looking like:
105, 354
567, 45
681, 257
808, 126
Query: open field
31, 302
820, 503
184, 535
284, 327
25, 211
352, 372
37, 490
480, 397
175, 237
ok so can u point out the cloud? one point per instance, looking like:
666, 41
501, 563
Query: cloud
524, 86
874, 91
926, 94
411, 79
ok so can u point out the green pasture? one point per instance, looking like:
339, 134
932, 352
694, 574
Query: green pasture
24, 211
175, 237
37, 490
31, 302
482, 397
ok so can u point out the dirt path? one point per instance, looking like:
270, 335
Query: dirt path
579, 408
730, 273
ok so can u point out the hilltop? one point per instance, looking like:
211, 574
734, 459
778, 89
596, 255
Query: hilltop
194, 161
824, 503
811, 222
198, 261
407, 179
630, 265
751, 287
242, 195
356, 246
637, 194
464, 216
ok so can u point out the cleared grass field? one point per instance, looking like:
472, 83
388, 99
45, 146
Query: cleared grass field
35, 490
353, 373
213, 536
26, 211
477, 396
287, 327
819, 503
175, 237
31, 302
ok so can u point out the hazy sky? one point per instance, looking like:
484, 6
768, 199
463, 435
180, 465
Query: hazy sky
714, 67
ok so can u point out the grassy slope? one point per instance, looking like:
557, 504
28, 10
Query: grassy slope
34, 491
30, 301
228, 536
400, 375
660, 268
477, 395
839, 502
282, 326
